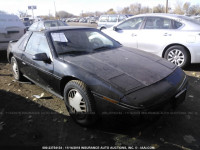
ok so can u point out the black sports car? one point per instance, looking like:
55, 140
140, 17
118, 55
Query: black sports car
94, 73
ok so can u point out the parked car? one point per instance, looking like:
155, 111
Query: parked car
83, 20
107, 21
173, 37
92, 20
94, 73
11, 29
27, 22
44, 24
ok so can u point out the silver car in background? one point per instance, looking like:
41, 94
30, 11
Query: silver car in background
174, 37
107, 21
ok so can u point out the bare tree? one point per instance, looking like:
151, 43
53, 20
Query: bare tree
186, 7
86, 14
135, 8
194, 10
145, 10
111, 11
64, 14
159, 9
178, 8
125, 10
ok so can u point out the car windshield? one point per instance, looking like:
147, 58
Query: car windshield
54, 23
82, 41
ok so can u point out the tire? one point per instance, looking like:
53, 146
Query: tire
102, 28
15, 70
178, 55
79, 103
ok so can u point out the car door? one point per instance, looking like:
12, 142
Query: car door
44, 70
155, 35
38, 71
27, 65
126, 32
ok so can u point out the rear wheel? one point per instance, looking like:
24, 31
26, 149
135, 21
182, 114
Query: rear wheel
177, 55
79, 103
15, 69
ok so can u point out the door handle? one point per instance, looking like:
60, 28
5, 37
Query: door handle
166, 34
133, 34
23, 63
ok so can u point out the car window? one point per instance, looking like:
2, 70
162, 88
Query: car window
157, 23
61, 23
133, 23
176, 24
33, 44
103, 19
121, 18
112, 18
43, 46
23, 41
56, 23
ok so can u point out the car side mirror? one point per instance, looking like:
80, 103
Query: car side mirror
115, 28
41, 57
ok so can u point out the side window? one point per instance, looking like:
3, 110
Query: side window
24, 41
176, 24
103, 19
43, 46
112, 18
157, 23
121, 18
133, 23
33, 43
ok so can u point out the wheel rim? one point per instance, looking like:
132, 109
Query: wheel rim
15, 68
76, 101
176, 56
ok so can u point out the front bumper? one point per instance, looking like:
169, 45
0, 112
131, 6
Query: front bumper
164, 99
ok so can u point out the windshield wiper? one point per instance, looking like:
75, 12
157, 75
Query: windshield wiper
73, 52
103, 47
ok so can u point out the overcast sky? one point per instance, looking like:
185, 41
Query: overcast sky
77, 6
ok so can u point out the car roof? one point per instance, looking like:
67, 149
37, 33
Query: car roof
60, 28
159, 15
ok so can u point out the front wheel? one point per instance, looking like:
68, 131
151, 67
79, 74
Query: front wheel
15, 70
102, 28
177, 55
79, 103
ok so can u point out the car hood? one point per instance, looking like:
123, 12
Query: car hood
125, 68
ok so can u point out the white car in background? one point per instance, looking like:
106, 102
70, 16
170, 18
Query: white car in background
174, 37
11, 29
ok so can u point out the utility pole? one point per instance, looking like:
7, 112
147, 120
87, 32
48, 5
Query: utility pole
55, 9
32, 13
166, 11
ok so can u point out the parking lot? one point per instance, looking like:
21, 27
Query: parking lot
29, 121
